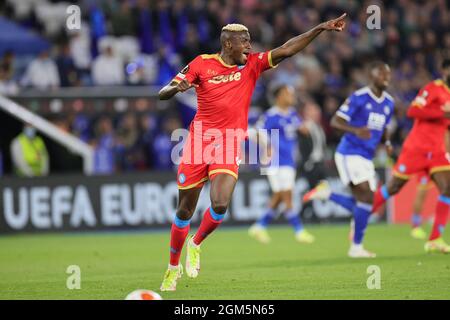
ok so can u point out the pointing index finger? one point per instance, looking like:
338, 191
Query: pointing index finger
342, 17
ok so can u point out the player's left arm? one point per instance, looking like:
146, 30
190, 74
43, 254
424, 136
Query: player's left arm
298, 43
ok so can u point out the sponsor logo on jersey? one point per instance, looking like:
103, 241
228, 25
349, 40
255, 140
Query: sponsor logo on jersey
226, 78
376, 121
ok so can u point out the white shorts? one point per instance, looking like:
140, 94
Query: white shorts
355, 169
281, 178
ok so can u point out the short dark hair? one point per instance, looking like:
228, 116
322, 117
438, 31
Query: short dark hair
376, 64
446, 63
278, 89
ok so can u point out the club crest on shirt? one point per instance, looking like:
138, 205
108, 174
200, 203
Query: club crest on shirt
386, 110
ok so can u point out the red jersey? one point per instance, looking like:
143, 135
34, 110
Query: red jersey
224, 91
430, 125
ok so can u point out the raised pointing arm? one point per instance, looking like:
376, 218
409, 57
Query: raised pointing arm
298, 43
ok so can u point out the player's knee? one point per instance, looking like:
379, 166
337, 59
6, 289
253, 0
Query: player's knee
445, 189
219, 206
363, 193
185, 213
394, 187
366, 198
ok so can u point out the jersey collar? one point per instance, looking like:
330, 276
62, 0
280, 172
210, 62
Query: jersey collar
374, 97
219, 58
278, 110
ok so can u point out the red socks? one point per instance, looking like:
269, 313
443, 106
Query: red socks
379, 198
178, 234
440, 218
210, 222
180, 230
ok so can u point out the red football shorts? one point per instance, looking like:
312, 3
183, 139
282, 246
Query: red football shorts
420, 162
204, 158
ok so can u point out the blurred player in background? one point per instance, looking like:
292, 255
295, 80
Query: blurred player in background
283, 117
424, 150
363, 117
224, 83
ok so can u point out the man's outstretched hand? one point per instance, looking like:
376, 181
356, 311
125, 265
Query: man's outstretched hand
337, 24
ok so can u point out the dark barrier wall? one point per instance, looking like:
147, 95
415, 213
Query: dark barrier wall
133, 201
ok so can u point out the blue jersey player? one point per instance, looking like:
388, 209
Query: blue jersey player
281, 173
363, 117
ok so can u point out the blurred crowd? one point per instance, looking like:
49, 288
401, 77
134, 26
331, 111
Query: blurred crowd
146, 42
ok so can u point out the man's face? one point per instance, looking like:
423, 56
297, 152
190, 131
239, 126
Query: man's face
289, 95
240, 47
381, 76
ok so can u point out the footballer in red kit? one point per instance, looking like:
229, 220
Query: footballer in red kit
424, 151
224, 83
224, 92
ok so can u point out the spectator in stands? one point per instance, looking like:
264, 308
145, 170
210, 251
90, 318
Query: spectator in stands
80, 49
7, 65
104, 147
148, 128
81, 123
107, 68
66, 67
163, 145
168, 64
123, 22
42, 73
29, 154
129, 153
8, 84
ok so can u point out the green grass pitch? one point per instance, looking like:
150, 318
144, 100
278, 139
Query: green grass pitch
233, 266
